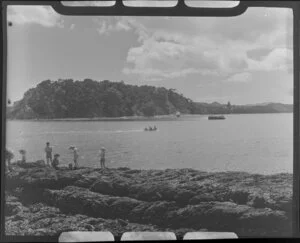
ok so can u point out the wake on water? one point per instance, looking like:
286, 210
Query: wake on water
120, 131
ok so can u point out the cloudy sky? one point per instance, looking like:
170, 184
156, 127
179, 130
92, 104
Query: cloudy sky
245, 59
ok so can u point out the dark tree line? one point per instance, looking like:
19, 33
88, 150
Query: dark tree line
89, 99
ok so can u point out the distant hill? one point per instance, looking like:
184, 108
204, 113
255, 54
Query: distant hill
217, 108
264, 108
90, 99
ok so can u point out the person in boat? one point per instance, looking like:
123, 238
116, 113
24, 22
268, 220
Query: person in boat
150, 128
154, 128
9, 155
55, 161
48, 151
102, 157
23, 154
146, 129
75, 156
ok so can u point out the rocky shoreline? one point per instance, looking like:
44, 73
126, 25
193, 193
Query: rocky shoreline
44, 201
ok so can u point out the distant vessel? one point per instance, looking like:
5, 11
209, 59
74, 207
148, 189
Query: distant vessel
178, 114
221, 117
150, 129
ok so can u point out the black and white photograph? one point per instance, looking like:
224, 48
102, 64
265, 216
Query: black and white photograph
149, 123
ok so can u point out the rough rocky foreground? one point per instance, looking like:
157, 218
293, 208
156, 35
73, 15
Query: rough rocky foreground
43, 201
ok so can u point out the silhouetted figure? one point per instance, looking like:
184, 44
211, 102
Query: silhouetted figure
102, 157
75, 156
23, 154
55, 161
48, 151
9, 155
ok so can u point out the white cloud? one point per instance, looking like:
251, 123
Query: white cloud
122, 26
167, 59
102, 28
106, 25
277, 59
178, 55
176, 47
239, 78
151, 74
42, 15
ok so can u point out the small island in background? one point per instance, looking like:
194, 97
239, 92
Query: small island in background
89, 99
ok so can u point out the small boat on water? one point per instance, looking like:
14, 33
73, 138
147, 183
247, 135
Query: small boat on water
219, 117
150, 129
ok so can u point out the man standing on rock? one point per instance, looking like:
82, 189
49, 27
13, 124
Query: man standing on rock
48, 151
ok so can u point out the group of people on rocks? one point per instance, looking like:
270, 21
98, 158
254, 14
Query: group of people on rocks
52, 161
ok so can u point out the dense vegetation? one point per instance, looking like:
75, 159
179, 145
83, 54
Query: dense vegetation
89, 98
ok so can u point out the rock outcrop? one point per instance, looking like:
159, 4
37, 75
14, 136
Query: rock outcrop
44, 201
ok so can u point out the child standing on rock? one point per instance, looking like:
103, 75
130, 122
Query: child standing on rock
75, 158
102, 157
23, 154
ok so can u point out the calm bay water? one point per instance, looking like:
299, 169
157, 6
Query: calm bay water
256, 143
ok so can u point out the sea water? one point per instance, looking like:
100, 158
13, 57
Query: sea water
255, 143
